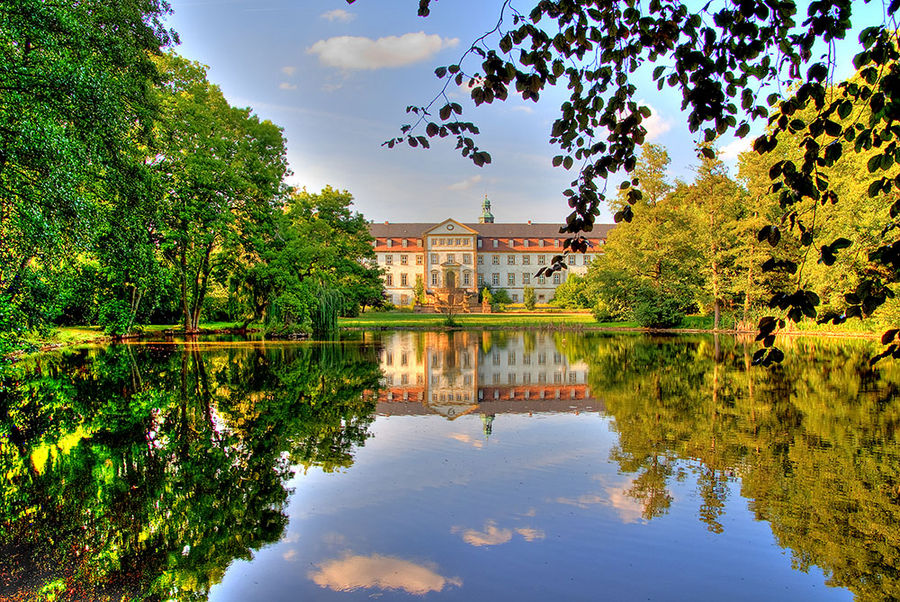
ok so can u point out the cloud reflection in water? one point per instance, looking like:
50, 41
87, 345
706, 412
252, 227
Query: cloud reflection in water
382, 572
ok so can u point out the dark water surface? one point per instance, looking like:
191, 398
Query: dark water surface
460, 466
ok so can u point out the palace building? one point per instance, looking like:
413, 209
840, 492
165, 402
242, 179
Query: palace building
453, 255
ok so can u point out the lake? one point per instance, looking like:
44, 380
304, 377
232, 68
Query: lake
452, 466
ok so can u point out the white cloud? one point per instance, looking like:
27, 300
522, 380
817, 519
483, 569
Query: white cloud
289, 70
465, 184
523, 109
730, 151
290, 555
287, 86
382, 572
656, 125
352, 53
338, 14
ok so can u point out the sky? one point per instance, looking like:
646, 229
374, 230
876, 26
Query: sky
338, 78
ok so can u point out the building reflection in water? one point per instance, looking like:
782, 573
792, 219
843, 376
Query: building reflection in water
462, 372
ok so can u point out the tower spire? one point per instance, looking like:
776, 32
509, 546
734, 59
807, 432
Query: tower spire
486, 216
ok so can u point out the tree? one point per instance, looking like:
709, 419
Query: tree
715, 201
528, 296
732, 63
221, 168
75, 102
281, 272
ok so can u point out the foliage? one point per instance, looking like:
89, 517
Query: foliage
653, 309
529, 298
419, 291
315, 244
325, 315
75, 108
487, 296
571, 294
119, 482
221, 168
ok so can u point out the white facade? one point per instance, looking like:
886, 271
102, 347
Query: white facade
470, 256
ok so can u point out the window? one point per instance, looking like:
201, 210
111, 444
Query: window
467, 258
404, 359
525, 243
459, 242
511, 279
556, 278
495, 260
526, 359
526, 260
526, 378
480, 280
526, 278
451, 258
467, 278
556, 242
496, 242
434, 278
557, 357
496, 379
572, 260
542, 359
495, 279
479, 243
511, 379
542, 377
390, 242
573, 377
418, 260
404, 379
442, 242
496, 358
434, 258
389, 359
405, 242
404, 299
403, 281
481, 260
541, 280
542, 259
389, 280
404, 259
515, 298
511, 260
388, 260
511, 358
557, 377
542, 242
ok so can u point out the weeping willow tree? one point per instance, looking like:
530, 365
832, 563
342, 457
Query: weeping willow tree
325, 314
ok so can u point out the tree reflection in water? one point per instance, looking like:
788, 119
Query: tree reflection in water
142, 472
811, 444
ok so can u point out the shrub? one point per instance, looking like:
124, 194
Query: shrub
114, 316
528, 297
655, 310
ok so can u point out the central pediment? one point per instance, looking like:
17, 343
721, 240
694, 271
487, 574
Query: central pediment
449, 227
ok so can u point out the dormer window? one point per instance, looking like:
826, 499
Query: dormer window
390, 242
405, 243
496, 243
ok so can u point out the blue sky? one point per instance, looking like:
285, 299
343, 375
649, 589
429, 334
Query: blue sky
338, 78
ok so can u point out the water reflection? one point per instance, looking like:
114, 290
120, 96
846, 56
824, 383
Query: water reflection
159, 471
454, 374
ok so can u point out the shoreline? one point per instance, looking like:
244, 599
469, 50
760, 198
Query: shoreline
573, 328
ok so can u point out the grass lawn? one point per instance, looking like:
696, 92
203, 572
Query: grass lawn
511, 320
